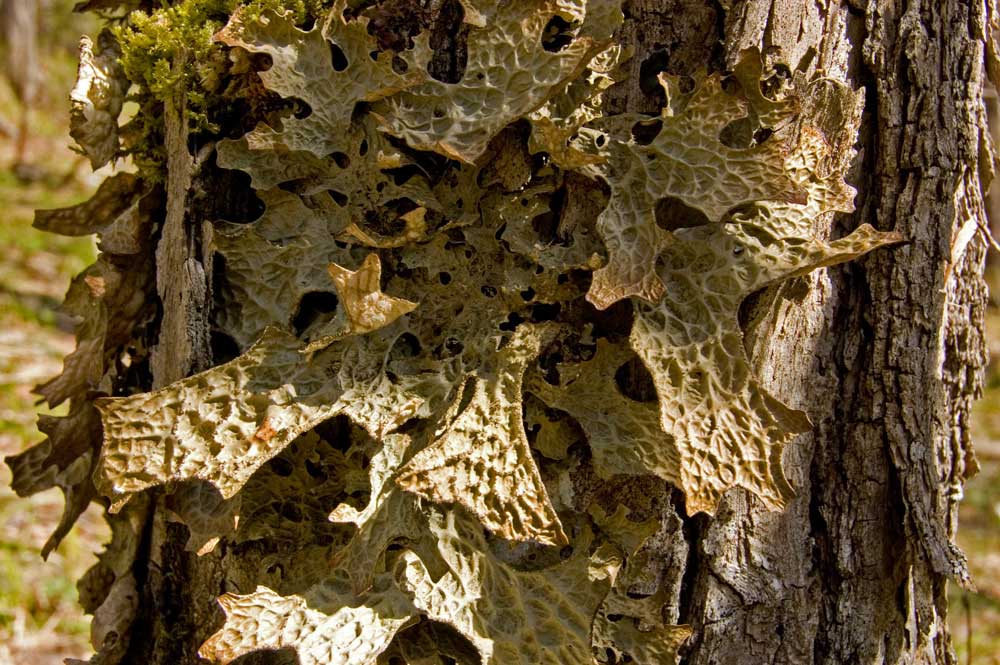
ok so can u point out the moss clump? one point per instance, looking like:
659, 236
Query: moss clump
170, 52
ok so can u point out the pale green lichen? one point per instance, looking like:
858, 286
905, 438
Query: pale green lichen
418, 352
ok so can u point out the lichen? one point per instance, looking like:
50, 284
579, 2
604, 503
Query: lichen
454, 292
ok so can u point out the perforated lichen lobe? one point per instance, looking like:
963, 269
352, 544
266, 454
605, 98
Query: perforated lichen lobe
454, 292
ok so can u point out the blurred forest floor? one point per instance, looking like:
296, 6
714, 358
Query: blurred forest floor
40, 621
975, 616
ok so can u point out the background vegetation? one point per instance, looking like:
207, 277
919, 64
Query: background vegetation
40, 622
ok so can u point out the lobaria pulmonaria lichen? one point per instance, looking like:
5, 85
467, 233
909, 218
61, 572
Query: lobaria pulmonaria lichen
423, 365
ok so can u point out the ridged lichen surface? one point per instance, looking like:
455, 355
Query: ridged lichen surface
456, 295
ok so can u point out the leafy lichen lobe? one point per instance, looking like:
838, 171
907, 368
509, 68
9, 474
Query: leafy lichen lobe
418, 321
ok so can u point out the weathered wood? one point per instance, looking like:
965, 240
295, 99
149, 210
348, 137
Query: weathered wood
181, 279
178, 608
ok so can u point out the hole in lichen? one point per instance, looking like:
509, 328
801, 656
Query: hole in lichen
746, 212
399, 65
291, 186
528, 294
291, 511
488, 291
614, 322
460, 651
224, 347
394, 24
337, 57
261, 62
387, 220
579, 278
635, 382
513, 321
544, 311
586, 351
649, 71
360, 110
556, 35
232, 199
312, 307
438, 112
363, 149
315, 470
406, 345
450, 348
444, 278
601, 140
340, 159
337, 197
546, 225
673, 214
646, 131
281, 467
403, 174
762, 134
615, 617
300, 109
548, 363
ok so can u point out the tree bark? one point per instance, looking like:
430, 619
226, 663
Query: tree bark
884, 354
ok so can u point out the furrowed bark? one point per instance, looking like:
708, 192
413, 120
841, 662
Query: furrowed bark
885, 355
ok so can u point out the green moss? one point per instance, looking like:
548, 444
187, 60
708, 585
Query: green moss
153, 44
171, 52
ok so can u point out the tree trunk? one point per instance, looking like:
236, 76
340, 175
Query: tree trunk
885, 354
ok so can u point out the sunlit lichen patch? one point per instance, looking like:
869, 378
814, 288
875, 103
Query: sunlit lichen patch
452, 292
